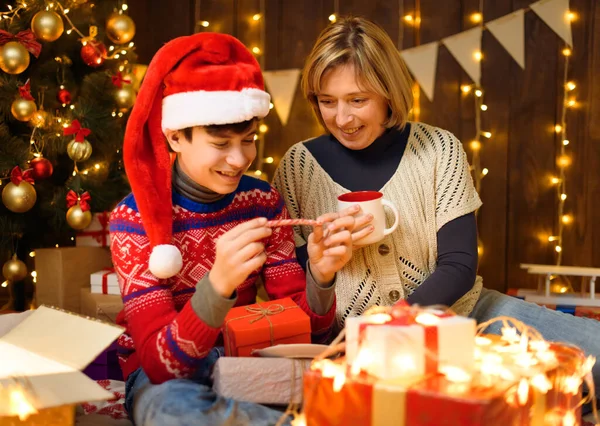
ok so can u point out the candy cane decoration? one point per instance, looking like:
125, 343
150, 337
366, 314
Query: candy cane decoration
292, 222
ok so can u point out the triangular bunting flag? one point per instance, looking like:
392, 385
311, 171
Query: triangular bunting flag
465, 47
555, 13
510, 32
422, 63
282, 86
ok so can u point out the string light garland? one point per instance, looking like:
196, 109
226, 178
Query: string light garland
563, 160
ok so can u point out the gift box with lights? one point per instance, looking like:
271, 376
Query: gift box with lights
514, 379
409, 341
40, 373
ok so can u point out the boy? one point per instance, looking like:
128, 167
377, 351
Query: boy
190, 241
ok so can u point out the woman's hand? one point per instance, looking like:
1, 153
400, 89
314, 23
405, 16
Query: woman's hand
330, 248
362, 223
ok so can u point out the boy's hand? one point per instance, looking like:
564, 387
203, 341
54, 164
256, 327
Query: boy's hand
330, 248
239, 253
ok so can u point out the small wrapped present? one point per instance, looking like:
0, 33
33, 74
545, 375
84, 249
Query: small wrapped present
261, 325
260, 380
63, 272
105, 282
105, 366
96, 234
104, 307
412, 341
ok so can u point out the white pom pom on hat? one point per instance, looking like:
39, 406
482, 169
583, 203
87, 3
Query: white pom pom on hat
165, 261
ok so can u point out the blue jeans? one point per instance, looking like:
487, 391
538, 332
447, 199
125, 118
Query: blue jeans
191, 402
553, 325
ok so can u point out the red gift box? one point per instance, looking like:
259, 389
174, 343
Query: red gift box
261, 325
323, 406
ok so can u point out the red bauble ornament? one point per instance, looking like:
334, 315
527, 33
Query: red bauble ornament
93, 53
41, 168
64, 96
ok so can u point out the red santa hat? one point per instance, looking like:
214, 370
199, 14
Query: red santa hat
197, 80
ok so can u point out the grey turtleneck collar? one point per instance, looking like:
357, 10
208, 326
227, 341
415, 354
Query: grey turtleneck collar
185, 186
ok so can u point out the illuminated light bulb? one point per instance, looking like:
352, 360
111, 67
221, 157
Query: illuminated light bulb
269, 160
558, 128
263, 128
570, 86
465, 88
258, 173
567, 219
256, 50
256, 17
409, 18
484, 107
563, 197
566, 142
205, 24
555, 181
478, 56
479, 93
567, 52
475, 145
558, 249
485, 171
552, 238
476, 17
32, 254
564, 161
332, 18
97, 166
570, 16
487, 134
271, 105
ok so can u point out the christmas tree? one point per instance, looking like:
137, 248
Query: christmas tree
67, 82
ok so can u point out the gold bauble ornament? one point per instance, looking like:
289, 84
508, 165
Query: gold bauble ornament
47, 25
19, 198
14, 270
125, 97
120, 29
40, 118
79, 151
23, 109
14, 58
77, 218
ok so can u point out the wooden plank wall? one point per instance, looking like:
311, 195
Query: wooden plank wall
519, 211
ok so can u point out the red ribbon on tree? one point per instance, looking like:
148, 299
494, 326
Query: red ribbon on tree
118, 80
25, 91
17, 176
26, 38
83, 199
76, 129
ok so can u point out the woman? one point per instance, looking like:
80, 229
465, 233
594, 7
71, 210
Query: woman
360, 91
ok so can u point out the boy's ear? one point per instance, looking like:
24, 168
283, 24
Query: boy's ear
174, 138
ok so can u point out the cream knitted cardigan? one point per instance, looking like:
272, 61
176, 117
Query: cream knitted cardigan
431, 187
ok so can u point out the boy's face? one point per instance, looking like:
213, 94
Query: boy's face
215, 162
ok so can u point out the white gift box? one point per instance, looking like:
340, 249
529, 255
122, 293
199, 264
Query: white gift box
97, 234
400, 351
260, 380
105, 282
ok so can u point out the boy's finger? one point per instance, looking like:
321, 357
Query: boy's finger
250, 236
244, 227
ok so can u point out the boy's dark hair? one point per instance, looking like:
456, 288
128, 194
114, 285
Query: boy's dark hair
222, 129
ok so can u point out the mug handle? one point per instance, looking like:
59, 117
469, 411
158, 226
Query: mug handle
388, 231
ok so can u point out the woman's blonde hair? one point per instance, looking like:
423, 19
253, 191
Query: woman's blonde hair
377, 63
